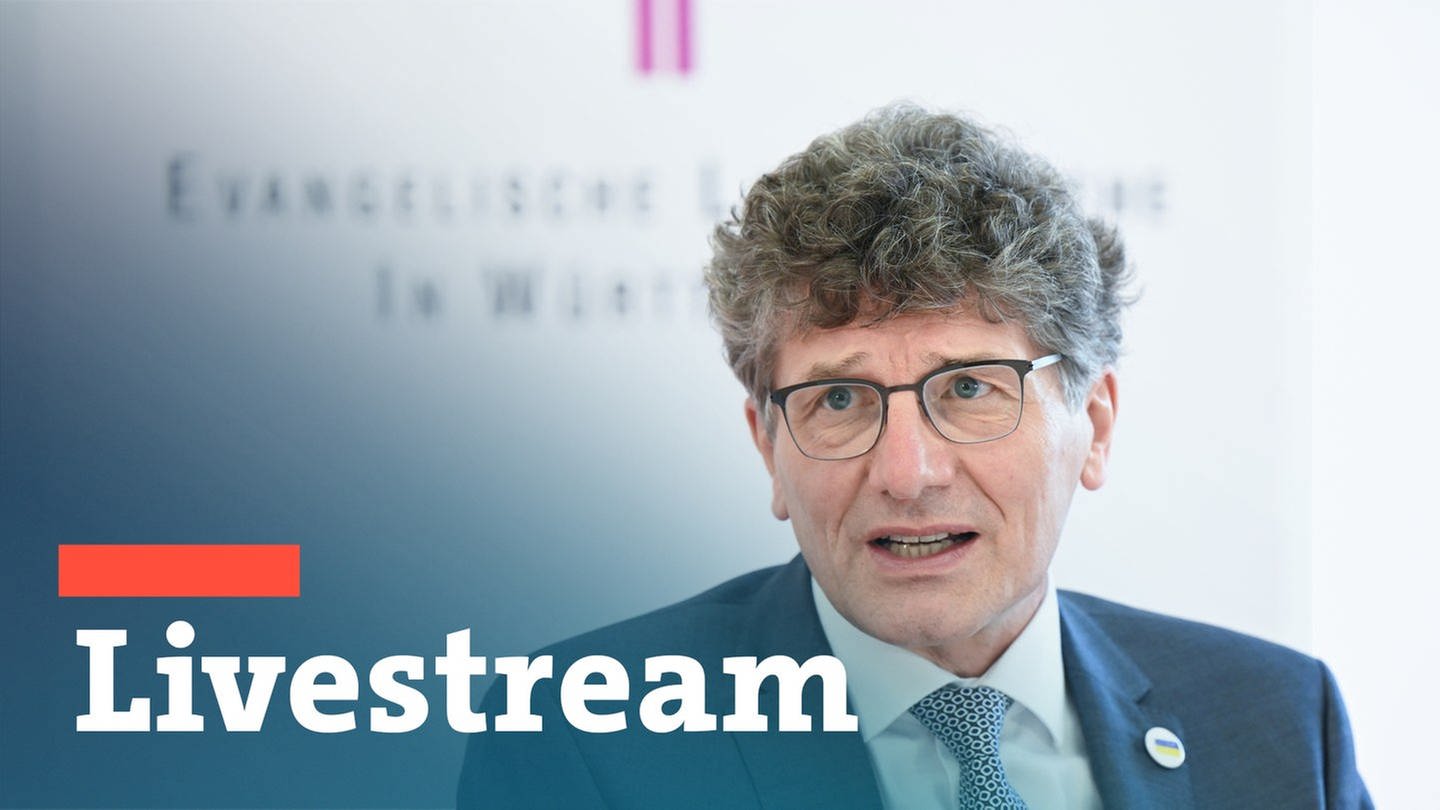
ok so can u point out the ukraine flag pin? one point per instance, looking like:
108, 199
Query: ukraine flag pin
1164, 747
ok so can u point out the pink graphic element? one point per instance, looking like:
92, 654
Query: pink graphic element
682, 24
646, 14
663, 36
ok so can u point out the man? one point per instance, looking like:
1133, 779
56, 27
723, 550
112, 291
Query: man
927, 326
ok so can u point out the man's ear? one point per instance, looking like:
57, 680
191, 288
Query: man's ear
1100, 407
765, 443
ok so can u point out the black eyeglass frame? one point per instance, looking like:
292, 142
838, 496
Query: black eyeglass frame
1021, 367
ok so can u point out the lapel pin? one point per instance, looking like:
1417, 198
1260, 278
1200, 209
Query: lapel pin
1164, 747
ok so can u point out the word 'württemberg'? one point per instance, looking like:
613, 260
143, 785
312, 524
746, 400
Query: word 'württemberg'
675, 706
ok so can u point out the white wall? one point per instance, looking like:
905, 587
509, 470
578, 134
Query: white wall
1376, 443
1264, 478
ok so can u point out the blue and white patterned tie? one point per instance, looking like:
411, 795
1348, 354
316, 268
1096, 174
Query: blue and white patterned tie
968, 721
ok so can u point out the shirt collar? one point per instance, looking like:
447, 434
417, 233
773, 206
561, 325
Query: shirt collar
885, 680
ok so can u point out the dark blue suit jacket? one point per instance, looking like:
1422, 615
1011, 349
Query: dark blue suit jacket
1263, 726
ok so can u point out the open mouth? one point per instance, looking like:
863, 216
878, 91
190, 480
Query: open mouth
922, 546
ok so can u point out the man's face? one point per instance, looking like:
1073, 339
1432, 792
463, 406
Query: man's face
1007, 498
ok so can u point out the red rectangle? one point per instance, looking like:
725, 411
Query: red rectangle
180, 570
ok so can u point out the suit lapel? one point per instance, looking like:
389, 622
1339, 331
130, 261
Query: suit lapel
796, 769
1111, 694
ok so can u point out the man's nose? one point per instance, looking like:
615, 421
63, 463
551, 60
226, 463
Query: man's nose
911, 456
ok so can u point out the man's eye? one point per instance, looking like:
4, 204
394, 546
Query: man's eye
839, 398
968, 387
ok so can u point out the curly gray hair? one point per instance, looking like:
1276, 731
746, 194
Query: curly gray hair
911, 211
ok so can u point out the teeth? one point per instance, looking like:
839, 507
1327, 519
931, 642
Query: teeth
912, 540
925, 549
912, 546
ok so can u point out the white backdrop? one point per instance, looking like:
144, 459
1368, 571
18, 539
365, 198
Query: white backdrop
1377, 76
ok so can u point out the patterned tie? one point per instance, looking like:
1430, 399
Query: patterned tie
968, 721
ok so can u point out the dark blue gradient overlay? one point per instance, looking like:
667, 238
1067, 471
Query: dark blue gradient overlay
178, 382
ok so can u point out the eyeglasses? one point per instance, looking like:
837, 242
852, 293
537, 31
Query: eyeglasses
967, 403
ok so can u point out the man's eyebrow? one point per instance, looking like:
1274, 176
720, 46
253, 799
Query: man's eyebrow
844, 367
937, 360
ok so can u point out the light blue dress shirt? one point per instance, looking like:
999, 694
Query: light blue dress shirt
1041, 744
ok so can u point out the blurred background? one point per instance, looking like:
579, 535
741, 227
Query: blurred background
416, 287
